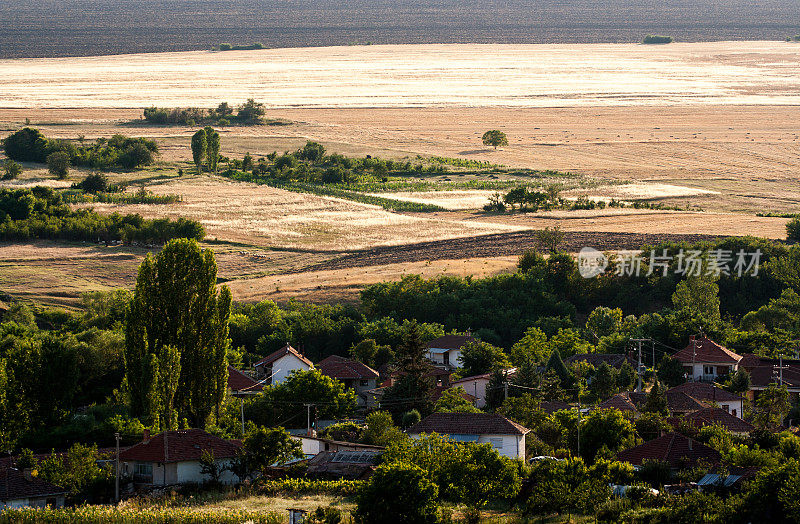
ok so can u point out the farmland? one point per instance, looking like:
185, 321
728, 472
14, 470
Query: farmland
723, 148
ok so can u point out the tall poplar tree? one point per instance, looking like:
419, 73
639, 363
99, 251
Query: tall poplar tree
177, 336
199, 147
212, 149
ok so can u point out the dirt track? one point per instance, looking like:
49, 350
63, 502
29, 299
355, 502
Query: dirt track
490, 246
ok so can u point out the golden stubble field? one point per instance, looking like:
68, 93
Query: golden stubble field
710, 125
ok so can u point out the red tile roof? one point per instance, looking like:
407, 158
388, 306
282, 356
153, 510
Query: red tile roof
720, 417
551, 406
705, 392
285, 350
704, 350
620, 401
238, 381
184, 445
673, 448
467, 424
764, 371
14, 485
451, 342
345, 368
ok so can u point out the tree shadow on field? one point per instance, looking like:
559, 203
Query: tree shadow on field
476, 151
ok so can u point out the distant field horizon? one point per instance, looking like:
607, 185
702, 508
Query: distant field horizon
471, 75
49, 28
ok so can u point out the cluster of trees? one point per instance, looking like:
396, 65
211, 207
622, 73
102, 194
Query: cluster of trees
47, 373
251, 112
30, 145
40, 212
311, 164
528, 200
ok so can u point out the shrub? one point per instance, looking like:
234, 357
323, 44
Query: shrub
494, 138
225, 47
11, 170
94, 183
28, 145
58, 164
793, 230
657, 39
400, 490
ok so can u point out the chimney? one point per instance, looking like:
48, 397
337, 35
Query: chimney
146, 436
28, 474
690, 444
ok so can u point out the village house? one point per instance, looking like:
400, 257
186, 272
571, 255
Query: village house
675, 449
20, 489
766, 371
706, 361
240, 384
475, 386
173, 457
507, 437
276, 367
718, 417
350, 465
313, 446
711, 396
446, 350
355, 375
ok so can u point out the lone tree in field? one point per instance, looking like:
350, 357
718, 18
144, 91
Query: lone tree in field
177, 337
212, 149
199, 146
58, 164
495, 138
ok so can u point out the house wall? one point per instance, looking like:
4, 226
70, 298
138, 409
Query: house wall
734, 407
189, 472
476, 388
454, 357
698, 373
32, 502
511, 446
284, 366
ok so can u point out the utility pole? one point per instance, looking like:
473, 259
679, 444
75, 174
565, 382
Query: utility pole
116, 471
241, 407
308, 407
639, 366
780, 368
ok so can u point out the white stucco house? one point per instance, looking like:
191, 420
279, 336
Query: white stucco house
476, 386
313, 446
21, 489
173, 458
446, 350
276, 367
505, 436
706, 361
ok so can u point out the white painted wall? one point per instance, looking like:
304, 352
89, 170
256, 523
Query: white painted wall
454, 356
284, 366
475, 387
511, 446
34, 502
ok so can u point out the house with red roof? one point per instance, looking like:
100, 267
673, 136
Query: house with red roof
241, 384
505, 436
276, 367
355, 375
719, 417
765, 371
705, 361
711, 395
20, 489
173, 457
677, 450
446, 350
476, 386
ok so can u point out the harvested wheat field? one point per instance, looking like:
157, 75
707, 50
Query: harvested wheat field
707, 127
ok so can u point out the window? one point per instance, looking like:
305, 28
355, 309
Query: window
497, 443
364, 383
446, 358
457, 437
143, 472
708, 370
